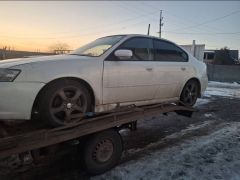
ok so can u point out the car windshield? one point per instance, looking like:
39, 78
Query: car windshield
97, 47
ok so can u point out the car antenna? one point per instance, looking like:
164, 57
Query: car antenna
148, 29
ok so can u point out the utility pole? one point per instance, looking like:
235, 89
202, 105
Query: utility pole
148, 29
160, 24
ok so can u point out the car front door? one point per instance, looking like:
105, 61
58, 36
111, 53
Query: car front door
171, 69
130, 80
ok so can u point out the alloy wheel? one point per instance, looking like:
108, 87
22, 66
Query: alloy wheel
68, 104
190, 94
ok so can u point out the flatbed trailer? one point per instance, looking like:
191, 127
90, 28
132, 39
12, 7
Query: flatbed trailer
104, 145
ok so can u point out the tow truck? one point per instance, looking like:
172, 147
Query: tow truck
96, 133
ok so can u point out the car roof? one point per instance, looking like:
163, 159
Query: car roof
140, 35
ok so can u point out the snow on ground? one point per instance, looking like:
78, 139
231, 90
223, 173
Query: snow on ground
208, 115
222, 89
223, 84
210, 156
214, 156
219, 89
201, 102
174, 136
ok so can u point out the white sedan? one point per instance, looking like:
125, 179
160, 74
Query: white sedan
111, 71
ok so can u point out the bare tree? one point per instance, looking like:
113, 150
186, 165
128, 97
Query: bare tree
5, 51
223, 57
59, 48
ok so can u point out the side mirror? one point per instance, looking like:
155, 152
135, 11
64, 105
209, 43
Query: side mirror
123, 54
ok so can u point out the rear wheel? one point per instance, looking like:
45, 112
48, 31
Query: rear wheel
102, 151
63, 102
190, 93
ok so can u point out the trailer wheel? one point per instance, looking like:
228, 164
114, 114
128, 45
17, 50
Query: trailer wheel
102, 151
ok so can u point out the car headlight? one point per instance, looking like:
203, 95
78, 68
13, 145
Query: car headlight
8, 75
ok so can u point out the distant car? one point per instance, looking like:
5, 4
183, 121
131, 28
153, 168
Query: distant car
110, 71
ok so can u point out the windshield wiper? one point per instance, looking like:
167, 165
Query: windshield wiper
83, 55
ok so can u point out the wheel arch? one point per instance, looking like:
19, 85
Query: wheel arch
81, 81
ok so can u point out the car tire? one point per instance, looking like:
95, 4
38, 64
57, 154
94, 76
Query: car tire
102, 151
63, 102
190, 93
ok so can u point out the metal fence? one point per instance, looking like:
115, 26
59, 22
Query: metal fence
223, 73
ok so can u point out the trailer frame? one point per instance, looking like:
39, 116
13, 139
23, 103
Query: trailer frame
124, 117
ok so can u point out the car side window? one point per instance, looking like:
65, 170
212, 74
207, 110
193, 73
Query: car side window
141, 47
166, 51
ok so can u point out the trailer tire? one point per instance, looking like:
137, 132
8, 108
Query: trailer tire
102, 151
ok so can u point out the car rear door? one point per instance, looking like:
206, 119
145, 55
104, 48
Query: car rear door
132, 79
171, 68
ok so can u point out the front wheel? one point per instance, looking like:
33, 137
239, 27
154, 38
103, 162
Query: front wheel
190, 93
63, 102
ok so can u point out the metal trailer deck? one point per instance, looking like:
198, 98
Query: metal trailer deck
118, 119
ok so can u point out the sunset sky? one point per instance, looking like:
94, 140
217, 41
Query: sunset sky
36, 25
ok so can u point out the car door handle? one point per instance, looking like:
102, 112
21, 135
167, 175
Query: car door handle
149, 69
183, 68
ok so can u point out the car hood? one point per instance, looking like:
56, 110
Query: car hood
20, 61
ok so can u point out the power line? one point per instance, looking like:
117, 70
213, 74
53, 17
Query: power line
79, 35
209, 21
141, 10
185, 18
123, 21
203, 33
134, 9
112, 29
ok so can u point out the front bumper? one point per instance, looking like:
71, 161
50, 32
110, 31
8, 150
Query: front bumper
17, 98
